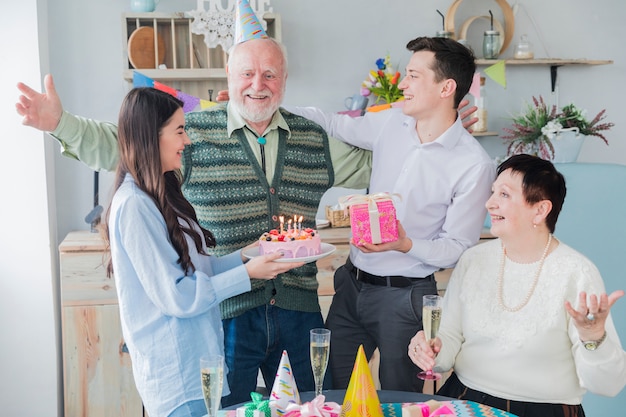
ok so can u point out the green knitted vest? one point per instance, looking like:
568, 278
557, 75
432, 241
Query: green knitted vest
232, 198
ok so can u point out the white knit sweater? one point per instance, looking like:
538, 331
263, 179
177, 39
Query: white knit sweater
533, 354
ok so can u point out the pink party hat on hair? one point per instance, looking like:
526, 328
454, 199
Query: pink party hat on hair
285, 390
247, 25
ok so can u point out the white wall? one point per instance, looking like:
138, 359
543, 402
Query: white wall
28, 322
332, 45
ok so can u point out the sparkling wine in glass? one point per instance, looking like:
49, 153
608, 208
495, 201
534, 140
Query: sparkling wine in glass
431, 318
212, 373
320, 348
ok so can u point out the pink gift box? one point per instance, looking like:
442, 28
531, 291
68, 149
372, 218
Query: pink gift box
377, 225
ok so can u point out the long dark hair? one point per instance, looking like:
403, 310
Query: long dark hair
143, 114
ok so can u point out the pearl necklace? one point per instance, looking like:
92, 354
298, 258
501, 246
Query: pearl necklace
533, 286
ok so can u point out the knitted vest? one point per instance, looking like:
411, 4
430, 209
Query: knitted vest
232, 198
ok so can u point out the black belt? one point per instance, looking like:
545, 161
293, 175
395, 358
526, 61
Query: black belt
386, 281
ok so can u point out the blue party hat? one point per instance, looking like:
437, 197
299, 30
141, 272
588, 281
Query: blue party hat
247, 25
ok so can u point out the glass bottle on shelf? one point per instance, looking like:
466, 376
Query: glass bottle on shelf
491, 44
481, 112
444, 34
523, 50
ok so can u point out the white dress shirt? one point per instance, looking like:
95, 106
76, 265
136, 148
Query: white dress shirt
444, 185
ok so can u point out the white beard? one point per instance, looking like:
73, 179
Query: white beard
251, 114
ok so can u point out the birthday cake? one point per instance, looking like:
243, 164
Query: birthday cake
293, 243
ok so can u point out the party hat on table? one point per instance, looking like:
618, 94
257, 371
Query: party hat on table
285, 390
247, 25
361, 398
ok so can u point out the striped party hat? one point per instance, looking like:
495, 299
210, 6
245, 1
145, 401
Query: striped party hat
247, 25
285, 390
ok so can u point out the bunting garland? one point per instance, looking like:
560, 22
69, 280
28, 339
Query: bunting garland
475, 87
497, 72
189, 102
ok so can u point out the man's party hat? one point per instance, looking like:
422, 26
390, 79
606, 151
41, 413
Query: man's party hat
247, 25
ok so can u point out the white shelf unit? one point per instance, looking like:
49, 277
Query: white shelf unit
192, 67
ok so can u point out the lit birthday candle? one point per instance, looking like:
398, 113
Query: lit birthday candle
300, 224
282, 223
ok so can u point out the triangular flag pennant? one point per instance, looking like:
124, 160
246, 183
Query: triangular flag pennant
205, 104
189, 102
247, 25
140, 80
165, 88
285, 390
361, 398
497, 72
475, 87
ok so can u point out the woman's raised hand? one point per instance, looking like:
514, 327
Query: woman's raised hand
590, 315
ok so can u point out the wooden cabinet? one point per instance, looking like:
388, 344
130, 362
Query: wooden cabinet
189, 65
97, 373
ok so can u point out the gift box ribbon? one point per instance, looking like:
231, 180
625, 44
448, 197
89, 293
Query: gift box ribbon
372, 208
316, 408
257, 404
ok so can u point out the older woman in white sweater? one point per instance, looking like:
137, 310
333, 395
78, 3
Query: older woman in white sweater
526, 323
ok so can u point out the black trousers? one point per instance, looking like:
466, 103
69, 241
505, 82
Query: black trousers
456, 389
376, 316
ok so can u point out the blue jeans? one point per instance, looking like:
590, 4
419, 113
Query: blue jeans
256, 339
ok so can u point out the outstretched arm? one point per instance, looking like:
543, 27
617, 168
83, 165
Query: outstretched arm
40, 110
92, 142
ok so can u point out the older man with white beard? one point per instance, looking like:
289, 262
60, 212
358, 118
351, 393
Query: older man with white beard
250, 162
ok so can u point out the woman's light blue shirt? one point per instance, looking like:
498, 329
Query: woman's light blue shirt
169, 318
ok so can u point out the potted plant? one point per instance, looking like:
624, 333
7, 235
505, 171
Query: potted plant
540, 128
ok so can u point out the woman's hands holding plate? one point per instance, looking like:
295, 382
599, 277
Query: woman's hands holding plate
264, 266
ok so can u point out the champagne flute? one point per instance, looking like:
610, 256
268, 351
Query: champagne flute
320, 347
212, 375
431, 318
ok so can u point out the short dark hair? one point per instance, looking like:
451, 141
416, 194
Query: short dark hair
452, 60
540, 181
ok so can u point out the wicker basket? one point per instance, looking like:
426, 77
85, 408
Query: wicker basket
337, 218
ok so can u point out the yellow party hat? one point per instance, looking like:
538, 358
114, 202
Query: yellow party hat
361, 398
